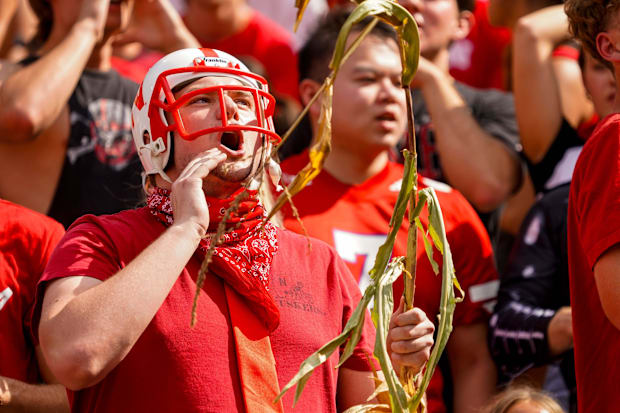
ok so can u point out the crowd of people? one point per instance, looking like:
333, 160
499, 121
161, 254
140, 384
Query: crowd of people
138, 141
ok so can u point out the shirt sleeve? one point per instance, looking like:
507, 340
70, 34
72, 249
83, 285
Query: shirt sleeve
85, 250
495, 113
598, 197
472, 255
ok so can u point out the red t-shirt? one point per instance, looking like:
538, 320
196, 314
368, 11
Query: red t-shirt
593, 228
27, 239
175, 368
354, 219
478, 60
270, 44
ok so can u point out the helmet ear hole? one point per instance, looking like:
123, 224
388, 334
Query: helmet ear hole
146, 137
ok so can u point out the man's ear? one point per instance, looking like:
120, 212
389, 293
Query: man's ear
606, 47
307, 89
465, 23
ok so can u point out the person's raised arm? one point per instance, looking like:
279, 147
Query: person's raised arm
33, 96
546, 89
476, 163
88, 326
157, 25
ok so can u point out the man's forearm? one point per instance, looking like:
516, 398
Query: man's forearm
19, 397
33, 96
86, 330
475, 163
474, 388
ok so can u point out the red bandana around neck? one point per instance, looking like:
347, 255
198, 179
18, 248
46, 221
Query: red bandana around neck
244, 255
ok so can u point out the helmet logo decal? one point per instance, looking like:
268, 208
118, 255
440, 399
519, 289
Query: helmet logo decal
199, 62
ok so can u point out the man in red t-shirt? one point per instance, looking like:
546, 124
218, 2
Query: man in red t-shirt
350, 203
27, 239
115, 303
594, 225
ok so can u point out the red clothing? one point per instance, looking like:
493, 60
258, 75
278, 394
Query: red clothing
270, 44
27, 239
136, 69
354, 219
175, 368
593, 228
478, 60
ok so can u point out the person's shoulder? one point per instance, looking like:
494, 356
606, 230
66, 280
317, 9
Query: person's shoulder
15, 217
293, 244
122, 221
454, 206
446, 195
293, 164
473, 95
605, 140
608, 126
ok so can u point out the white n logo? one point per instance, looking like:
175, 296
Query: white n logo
4, 296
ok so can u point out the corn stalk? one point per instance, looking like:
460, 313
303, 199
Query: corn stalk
394, 393
405, 392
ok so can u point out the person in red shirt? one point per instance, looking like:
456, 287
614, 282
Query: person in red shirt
236, 28
114, 305
594, 225
479, 59
27, 239
349, 204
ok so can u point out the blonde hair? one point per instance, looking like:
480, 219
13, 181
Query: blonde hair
513, 395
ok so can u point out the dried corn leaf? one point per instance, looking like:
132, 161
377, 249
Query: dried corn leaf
322, 354
428, 247
317, 153
448, 299
301, 7
384, 307
369, 408
381, 391
385, 251
397, 16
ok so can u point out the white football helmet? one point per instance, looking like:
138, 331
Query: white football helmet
150, 128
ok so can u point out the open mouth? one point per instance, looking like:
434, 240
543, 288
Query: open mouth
232, 142
386, 116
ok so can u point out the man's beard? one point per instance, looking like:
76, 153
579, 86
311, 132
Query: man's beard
232, 173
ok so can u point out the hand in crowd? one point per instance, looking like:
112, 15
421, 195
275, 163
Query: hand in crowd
157, 25
95, 13
188, 200
426, 71
560, 331
410, 338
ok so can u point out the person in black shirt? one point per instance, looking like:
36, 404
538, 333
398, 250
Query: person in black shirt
65, 119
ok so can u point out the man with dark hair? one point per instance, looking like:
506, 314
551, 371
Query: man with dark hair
350, 202
594, 225
465, 137
65, 118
